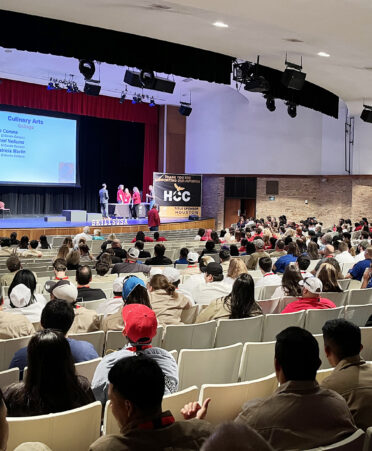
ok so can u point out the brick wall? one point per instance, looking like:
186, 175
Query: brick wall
213, 198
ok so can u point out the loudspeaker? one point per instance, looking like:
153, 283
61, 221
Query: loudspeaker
293, 79
366, 115
92, 89
185, 110
157, 84
193, 218
272, 187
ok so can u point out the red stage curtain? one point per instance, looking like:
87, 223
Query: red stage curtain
36, 96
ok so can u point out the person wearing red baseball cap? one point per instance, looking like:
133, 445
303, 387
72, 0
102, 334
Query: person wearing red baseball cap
140, 327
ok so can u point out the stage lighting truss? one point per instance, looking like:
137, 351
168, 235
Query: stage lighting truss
293, 77
67, 83
247, 74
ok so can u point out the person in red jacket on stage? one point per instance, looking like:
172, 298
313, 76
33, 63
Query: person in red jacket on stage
120, 195
136, 201
153, 218
127, 197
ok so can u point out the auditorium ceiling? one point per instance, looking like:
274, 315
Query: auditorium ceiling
340, 28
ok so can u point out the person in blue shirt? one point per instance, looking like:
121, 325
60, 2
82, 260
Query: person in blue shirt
59, 315
285, 260
183, 257
367, 278
357, 271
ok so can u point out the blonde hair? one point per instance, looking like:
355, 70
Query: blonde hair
97, 232
267, 232
236, 267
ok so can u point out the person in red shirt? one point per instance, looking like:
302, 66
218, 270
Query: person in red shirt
140, 236
120, 195
157, 237
153, 218
312, 287
136, 201
127, 197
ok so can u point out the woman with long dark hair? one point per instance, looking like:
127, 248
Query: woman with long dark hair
240, 303
51, 383
44, 242
312, 250
290, 286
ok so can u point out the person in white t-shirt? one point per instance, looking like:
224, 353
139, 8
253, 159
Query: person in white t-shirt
269, 279
213, 285
84, 234
362, 246
344, 256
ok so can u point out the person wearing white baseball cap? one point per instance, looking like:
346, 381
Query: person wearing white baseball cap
311, 290
193, 263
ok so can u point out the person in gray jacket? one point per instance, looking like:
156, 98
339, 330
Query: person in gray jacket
103, 200
140, 327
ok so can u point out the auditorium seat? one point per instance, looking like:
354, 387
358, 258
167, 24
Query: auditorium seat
97, 339
273, 324
71, 430
322, 374
231, 331
366, 342
189, 336
9, 347
345, 267
115, 339
322, 355
8, 377
227, 400
358, 314
269, 305
312, 265
360, 297
315, 318
339, 299
344, 284
353, 443
209, 366
92, 305
87, 368
176, 401
257, 360
267, 292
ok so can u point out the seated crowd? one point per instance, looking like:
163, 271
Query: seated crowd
222, 280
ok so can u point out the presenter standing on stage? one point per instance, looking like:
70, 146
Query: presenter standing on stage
120, 194
127, 197
153, 219
136, 201
103, 200
150, 197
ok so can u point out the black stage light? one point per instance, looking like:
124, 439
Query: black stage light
87, 68
292, 109
122, 97
366, 115
270, 103
92, 89
292, 77
185, 109
152, 101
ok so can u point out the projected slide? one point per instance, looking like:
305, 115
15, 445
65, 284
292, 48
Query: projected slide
37, 149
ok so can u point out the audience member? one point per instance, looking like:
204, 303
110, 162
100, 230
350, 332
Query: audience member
310, 298
118, 250
302, 263
23, 297
97, 235
225, 259
136, 389
167, 303
268, 277
142, 253
85, 254
13, 326
290, 283
362, 247
84, 234
5, 249
358, 269
174, 277
344, 256
352, 376
140, 236
328, 276
140, 327
32, 251
199, 235
159, 259
133, 291
83, 279
212, 287
13, 239
259, 253
282, 262
130, 265
51, 384
234, 251
44, 242
63, 252
158, 238
332, 261
312, 250
279, 249
23, 244
73, 260
240, 303
182, 260
102, 269
85, 320
58, 315
236, 267
193, 266
209, 248
116, 302
367, 278
60, 267
215, 238
13, 263
328, 252
68, 242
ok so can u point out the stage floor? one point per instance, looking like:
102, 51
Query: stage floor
24, 222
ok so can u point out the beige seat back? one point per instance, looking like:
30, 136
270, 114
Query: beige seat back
274, 324
257, 360
316, 318
189, 336
231, 331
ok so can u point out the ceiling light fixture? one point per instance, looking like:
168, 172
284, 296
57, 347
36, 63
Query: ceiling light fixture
122, 97
220, 24
292, 77
292, 109
324, 54
366, 115
270, 102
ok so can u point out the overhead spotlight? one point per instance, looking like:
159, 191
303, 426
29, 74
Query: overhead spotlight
152, 101
185, 109
122, 97
292, 109
50, 85
137, 98
270, 103
366, 115
87, 68
247, 73
292, 77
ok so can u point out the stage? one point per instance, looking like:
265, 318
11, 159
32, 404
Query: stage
34, 226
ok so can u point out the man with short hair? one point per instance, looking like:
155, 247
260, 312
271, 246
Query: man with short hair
83, 279
58, 315
85, 320
352, 376
158, 259
103, 200
157, 237
32, 250
310, 299
362, 246
13, 263
212, 287
260, 252
344, 255
193, 265
60, 267
130, 265
102, 269
328, 252
268, 277
285, 260
279, 249
140, 246
136, 389
225, 258
302, 263
357, 271
140, 327
182, 260
153, 218
118, 250
85, 235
